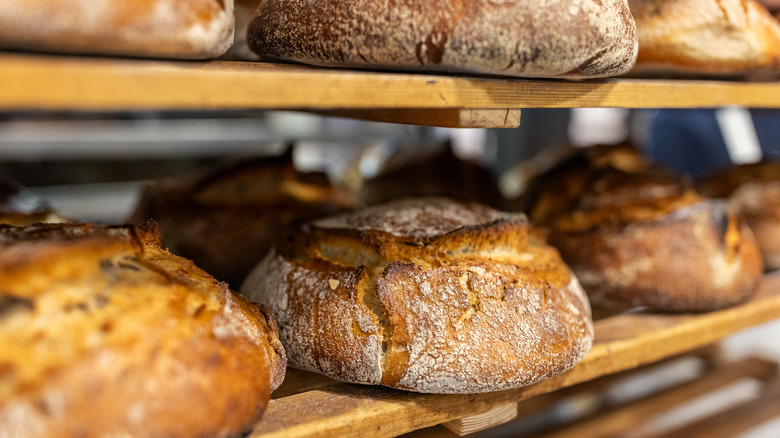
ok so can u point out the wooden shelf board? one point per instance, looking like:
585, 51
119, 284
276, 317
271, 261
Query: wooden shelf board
622, 342
45, 82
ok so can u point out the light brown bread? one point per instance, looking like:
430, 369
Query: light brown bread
559, 38
752, 192
642, 237
706, 36
104, 333
426, 295
186, 29
227, 217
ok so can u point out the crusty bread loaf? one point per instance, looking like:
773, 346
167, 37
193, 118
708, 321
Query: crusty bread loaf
706, 36
639, 236
752, 192
559, 38
427, 295
433, 173
227, 217
187, 29
104, 333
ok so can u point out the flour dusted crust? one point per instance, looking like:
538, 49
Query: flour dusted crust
639, 236
426, 295
187, 29
106, 334
558, 38
706, 36
752, 192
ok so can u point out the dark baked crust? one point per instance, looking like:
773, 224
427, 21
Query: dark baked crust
106, 334
752, 192
427, 295
563, 38
644, 237
438, 173
192, 29
227, 218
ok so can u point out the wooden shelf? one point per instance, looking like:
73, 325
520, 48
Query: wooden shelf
314, 406
43, 82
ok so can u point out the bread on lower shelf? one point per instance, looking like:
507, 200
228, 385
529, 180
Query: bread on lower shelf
104, 333
636, 235
427, 295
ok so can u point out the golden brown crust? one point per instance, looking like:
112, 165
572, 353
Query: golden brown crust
227, 218
705, 36
193, 29
644, 237
427, 295
560, 38
752, 192
106, 334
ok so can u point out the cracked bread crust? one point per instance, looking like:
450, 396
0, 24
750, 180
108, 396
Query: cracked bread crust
752, 192
426, 295
643, 237
192, 29
556, 38
106, 334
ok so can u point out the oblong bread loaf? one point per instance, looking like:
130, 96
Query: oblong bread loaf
185, 29
558, 38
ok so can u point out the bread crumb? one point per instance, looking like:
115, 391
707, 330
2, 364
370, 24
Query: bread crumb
333, 284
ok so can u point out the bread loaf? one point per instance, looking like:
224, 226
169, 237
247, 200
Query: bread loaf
640, 237
104, 333
227, 217
437, 173
706, 36
187, 29
559, 38
426, 295
752, 192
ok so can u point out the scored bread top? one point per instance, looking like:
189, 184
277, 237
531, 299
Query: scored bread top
104, 333
427, 295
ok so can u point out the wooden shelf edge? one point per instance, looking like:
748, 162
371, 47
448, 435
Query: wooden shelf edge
634, 339
46, 82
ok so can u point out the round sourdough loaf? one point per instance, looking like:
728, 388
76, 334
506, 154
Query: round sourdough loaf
427, 295
639, 236
556, 38
104, 333
706, 36
752, 192
187, 29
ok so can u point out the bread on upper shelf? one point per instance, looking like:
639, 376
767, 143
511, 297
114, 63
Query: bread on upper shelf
104, 333
427, 295
752, 192
638, 236
706, 37
558, 38
185, 29
226, 217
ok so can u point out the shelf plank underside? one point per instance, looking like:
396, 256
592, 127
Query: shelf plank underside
622, 342
46, 82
